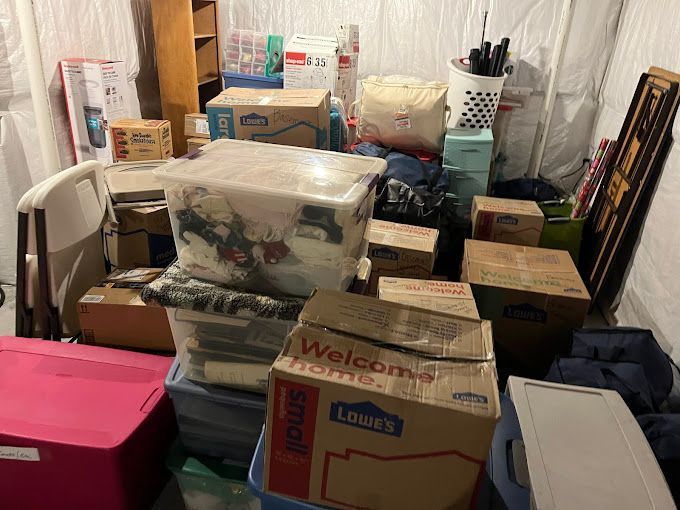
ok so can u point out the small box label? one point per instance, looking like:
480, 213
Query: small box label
16, 453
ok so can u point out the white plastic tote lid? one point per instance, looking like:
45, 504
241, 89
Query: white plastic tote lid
134, 181
315, 177
585, 450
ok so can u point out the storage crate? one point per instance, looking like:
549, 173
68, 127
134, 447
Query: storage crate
250, 81
214, 420
468, 183
468, 149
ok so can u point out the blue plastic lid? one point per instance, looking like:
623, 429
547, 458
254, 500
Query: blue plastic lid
240, 76
175, 382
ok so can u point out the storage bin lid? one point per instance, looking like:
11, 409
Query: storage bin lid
134, 181
584, 449
269, 171
76, 394
175, 382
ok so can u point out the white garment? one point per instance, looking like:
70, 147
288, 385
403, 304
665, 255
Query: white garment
198, 255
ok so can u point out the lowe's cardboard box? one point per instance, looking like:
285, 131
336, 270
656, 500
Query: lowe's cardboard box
141, 139
96, 93
455, 298
286, 117
533, 296
142, 237
400, 250
316, 62
113, 314
353, 423
503, 220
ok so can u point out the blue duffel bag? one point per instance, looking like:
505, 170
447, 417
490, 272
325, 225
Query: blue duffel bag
663, 434
627, 360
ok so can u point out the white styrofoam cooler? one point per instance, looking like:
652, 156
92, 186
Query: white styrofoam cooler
585, 450
271, 218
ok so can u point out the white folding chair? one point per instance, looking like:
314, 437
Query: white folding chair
27, 287
69, 209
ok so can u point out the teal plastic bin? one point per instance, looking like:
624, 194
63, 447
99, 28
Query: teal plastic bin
208, 483
560, 231
468, 183
468, 149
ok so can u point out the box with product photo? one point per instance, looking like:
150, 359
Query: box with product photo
313, 62
503, 220
141, 139
286, 117
400, 250
371, 399
533, 296
142, 237
112, 313
96, 93
455, 298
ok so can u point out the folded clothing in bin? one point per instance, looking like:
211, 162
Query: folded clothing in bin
223, 335
214, 420
81, 426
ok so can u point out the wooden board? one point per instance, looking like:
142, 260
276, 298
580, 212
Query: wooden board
633, 169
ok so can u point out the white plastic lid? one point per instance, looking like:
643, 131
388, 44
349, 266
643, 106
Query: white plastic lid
134, 181
315, 177
585, 450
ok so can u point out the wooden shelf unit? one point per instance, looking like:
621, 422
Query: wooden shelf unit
188, 58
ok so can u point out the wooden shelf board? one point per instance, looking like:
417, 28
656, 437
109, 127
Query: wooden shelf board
202, 80
204, 36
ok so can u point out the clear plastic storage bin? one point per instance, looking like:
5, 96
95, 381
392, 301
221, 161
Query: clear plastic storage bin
271, 218
228, 350
214, 420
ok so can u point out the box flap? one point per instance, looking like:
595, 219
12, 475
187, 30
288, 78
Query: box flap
435, 335
508, 206
403, 236
526, 268
450, 297
326, 355
271, 97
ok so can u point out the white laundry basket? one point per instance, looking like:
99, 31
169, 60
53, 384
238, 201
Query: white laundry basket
473, 99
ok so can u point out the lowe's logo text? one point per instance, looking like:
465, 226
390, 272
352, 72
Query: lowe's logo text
468, 396
525, 312
253, 119
385, 253
368, 416
507, 220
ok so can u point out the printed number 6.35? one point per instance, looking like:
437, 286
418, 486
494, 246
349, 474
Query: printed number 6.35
316, 62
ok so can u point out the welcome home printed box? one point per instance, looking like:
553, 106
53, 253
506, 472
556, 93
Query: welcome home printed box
352, 422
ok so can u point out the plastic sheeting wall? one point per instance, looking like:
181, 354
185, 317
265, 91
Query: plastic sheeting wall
91, 28
417, 37
651, 294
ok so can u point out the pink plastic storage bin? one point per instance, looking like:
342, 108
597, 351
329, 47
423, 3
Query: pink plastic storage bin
81, 427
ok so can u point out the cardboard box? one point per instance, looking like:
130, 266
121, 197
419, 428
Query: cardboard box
351, 424
503, 220
196, 125
96, 93
142, 238
196, 143
400, 250
141, 140
112, 313
313, 62
286, 117
455, 298
533, 296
